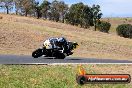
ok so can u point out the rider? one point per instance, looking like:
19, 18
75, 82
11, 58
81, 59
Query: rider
59, 43
62, 42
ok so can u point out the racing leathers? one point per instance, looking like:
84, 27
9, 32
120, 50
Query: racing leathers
58, 43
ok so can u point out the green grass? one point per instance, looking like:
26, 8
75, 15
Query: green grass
41, 76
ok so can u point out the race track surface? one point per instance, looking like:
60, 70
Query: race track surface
25, 59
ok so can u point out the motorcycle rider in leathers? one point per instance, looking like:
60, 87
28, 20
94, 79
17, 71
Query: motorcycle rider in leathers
60, 43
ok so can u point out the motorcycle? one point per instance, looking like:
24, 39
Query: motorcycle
55, 52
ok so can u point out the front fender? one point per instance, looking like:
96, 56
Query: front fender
75, 45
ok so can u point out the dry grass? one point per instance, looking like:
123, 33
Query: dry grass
22, 35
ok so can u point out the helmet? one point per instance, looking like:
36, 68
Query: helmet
47, 44
62, 40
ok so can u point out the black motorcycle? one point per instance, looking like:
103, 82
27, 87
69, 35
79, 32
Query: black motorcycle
55, 52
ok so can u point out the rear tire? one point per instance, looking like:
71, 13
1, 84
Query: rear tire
37, 53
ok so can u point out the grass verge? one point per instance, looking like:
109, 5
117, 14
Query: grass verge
41, 76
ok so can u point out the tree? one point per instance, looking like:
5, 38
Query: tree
54, 12
62, 8
96, 15
27, 6
74, 15
86, 16
79, 14
7, 4
37, 9
58, 10
45, 7
18, 6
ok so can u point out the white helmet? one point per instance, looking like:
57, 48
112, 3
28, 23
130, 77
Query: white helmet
47, 44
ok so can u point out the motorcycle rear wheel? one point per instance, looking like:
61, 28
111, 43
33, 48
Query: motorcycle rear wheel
37, 53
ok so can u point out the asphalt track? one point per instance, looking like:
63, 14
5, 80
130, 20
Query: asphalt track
25, 59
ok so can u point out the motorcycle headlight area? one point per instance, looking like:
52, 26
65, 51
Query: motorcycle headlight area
75, 45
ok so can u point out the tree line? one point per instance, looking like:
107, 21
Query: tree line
77, 14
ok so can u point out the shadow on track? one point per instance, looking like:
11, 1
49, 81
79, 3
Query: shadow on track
60, 59
73, 59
